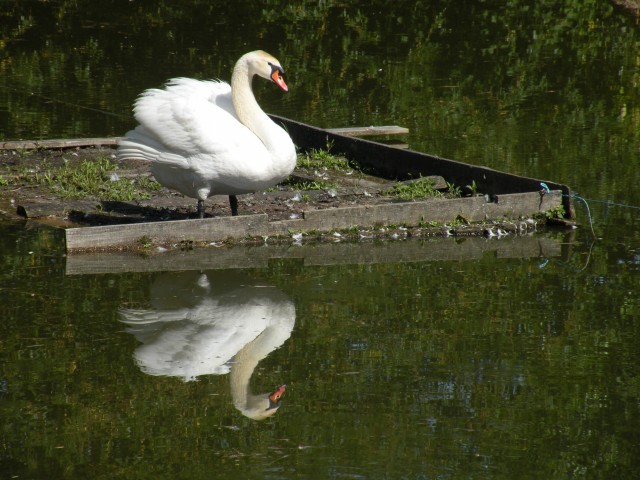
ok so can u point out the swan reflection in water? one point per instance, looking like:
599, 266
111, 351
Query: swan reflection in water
212, 323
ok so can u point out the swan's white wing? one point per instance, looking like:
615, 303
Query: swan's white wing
193, 119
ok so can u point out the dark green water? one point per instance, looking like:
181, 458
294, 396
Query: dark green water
511, 358
440, 359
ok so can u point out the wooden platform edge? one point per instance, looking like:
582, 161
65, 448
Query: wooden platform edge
220, 229
169, 232
369, 131
59, 143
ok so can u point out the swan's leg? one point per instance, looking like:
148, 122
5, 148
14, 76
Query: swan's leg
201, 208
233, 201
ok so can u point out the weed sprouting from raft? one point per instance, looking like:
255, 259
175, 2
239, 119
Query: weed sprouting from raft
317, 161
95, 178
317, 158
421, 188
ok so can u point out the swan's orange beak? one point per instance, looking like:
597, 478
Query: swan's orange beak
277, 395
276, 76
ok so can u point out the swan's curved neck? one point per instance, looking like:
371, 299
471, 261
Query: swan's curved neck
247, 108
245, 362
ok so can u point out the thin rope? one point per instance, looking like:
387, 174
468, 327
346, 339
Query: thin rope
613, 204
546, 190
575, 195
586, 204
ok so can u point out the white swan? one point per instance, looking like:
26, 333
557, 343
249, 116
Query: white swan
208, 138
212, 323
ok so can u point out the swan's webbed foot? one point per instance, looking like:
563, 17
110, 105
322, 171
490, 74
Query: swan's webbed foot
201, 208
233, 202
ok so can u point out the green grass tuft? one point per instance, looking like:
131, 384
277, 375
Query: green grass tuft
419, 188
320, 159
97, 178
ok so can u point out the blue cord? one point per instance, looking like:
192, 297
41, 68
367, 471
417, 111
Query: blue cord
546, 190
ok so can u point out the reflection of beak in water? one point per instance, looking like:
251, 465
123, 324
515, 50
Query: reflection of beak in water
257, 407
275, 397
213, 323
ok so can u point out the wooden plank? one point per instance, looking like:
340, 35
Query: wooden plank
476, 209
369, 131
58, 143
165, 233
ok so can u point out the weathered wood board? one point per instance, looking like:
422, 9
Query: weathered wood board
476, 209
61, 143
473, 209
170, 232
371, 131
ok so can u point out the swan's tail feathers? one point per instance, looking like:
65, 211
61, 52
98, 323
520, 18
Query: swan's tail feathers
139, 145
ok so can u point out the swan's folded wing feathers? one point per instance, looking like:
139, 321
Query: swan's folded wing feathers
183, 115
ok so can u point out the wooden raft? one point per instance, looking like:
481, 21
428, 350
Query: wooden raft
506, 196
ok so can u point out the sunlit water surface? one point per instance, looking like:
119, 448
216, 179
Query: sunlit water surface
508, 358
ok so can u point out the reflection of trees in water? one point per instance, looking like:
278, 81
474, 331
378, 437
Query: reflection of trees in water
349, 62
